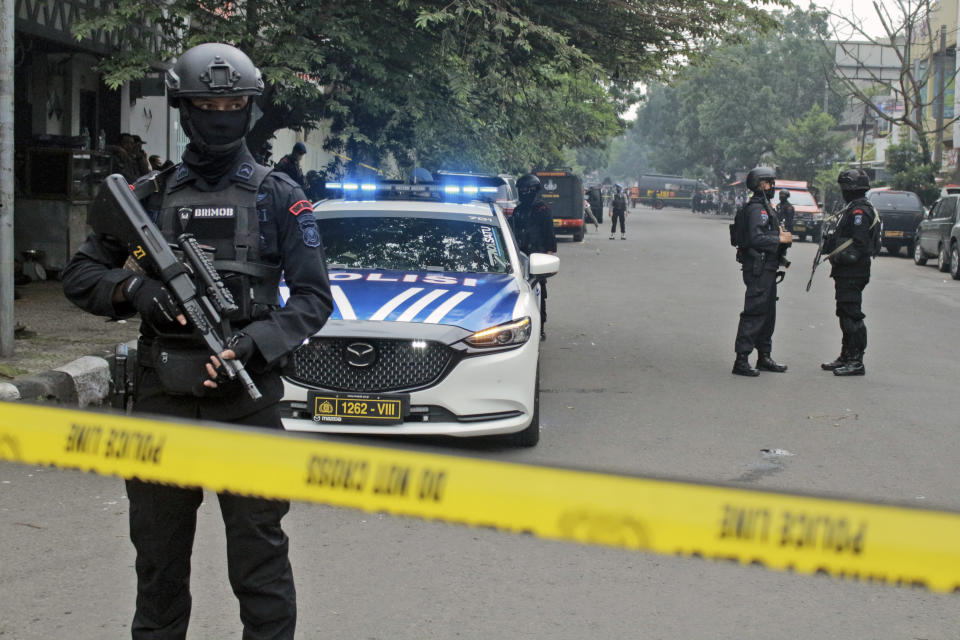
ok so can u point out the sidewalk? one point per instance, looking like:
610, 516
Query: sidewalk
56, 333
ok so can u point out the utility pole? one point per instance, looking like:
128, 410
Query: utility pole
938, 101
863, 133
6, 177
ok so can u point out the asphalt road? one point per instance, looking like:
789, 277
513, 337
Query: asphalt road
636, 378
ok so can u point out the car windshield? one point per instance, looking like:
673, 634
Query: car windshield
802, 199
375, 240
904, 200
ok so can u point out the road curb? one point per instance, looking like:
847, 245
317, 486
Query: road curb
82, 382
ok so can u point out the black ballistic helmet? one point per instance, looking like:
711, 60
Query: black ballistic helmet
212, 70
528, 184
757, 175
853, 180
784, 194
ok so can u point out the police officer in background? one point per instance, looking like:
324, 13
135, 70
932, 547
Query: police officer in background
618, 211
851, 249
785, 210
532, 225
761, 258
262, 224
290, 163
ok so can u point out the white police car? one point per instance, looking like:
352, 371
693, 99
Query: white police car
436, 324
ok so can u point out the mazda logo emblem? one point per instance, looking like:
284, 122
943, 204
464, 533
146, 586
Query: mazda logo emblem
360, 354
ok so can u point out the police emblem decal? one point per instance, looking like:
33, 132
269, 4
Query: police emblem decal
549, 185
245, 171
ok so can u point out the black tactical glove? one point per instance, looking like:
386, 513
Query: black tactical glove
243, 347
151, 300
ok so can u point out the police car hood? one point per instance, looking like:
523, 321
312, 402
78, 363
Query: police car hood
471, 301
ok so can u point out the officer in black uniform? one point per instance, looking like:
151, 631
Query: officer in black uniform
851, 249
532, 225
290, 164
260, 223
785, 210
618, 211
761, 258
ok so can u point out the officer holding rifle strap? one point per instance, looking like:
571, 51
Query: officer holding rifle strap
256, 223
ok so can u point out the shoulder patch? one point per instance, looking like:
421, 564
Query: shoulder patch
244, 171
764, 217
309, 231
858, 217
300, 206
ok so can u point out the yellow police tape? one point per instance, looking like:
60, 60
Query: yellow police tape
876, 543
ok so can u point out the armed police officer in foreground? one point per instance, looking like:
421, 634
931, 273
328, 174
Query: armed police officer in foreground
850, 248
761, 244
258, 223
532, 224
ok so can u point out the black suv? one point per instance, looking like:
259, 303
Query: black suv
901, 213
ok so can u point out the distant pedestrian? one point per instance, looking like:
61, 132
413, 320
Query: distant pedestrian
618, 211
290, 164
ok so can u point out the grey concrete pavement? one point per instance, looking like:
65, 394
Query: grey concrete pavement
636, 379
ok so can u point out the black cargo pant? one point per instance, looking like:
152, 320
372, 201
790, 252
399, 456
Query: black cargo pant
622, 217
759, 315
163, 520
849, 294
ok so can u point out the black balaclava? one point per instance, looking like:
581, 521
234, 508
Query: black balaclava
528, 196
849, 196
216, 137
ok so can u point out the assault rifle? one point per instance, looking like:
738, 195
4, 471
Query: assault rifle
194, 283
827, 228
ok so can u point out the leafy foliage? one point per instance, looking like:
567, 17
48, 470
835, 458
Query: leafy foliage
808, 144
911, 170
727, 112
478, 84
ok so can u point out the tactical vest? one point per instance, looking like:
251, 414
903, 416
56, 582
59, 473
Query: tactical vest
225, 219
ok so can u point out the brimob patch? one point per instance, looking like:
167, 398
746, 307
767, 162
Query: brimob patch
300, 206
764, 217
858, 219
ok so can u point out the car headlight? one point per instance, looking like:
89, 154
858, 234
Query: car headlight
510, 333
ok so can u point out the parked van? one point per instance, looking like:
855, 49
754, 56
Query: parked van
809, 212
562, 191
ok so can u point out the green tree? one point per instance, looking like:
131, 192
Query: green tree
480, 83
807, 145
911, 170
727, 111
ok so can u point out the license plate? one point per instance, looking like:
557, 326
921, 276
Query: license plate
799, 227
893, 234
358, 408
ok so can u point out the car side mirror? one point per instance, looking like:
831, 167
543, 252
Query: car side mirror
544, 265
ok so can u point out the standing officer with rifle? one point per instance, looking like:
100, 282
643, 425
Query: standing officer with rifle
761, 247
851, 247
258, 223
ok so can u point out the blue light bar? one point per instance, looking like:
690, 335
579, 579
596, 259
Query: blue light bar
368, 186
488, 189
471, 189
350, 186
451, 188
334, 185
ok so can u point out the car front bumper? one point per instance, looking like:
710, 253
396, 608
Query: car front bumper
485, 394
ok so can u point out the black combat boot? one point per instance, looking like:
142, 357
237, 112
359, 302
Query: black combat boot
741, 366
766, 363
839, 362
852, 367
